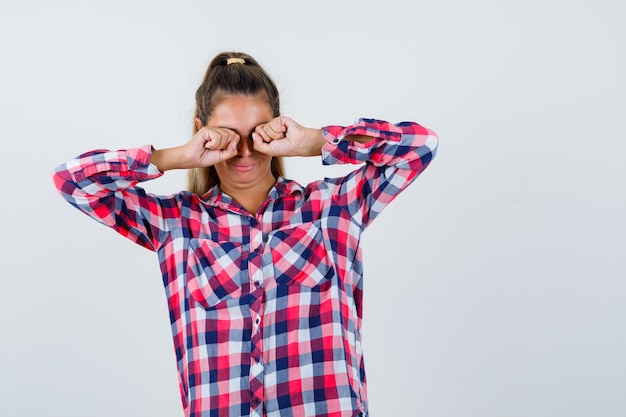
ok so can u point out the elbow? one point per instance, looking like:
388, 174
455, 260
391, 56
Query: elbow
63, 181
432, 142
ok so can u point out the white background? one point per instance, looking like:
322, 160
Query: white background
494, 285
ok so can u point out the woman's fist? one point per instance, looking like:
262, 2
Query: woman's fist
282, 136
210, 145
207, 147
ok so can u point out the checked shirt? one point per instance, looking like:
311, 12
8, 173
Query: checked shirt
265, 308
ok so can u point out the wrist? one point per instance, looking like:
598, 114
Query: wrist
167, 159
359, 138
317, 141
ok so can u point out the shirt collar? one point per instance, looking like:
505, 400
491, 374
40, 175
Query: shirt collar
282, 188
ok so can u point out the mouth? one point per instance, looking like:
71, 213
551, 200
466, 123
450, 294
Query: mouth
243, 167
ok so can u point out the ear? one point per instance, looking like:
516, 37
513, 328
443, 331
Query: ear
198, 123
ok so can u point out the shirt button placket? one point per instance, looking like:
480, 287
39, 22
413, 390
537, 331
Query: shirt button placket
256, 308
256, 407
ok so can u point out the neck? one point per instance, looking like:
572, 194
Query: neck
249, 198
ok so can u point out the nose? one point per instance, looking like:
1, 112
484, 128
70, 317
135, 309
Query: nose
244, 147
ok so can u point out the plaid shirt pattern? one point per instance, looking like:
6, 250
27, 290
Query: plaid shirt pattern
265, 309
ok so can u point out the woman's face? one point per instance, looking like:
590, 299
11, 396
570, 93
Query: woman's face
249, 169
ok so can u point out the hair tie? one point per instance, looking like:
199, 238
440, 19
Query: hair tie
235, 61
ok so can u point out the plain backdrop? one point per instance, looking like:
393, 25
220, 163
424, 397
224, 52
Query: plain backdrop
494, 286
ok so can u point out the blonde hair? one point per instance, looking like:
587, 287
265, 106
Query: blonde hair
230, 73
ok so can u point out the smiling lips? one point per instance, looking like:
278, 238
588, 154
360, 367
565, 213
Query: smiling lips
243, 167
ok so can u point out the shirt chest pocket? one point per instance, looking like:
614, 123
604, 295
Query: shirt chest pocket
214, 272
300, 257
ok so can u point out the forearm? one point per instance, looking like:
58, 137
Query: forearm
380, 143
392, 156
103, 185
169, 158
315, 140
359, 138
98, 171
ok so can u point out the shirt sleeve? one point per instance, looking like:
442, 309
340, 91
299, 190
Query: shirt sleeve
103, 185
392, 160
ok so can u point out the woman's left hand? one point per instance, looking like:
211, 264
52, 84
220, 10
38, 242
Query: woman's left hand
283, 136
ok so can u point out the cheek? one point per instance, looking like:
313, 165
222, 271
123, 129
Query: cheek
220, 168
263, 158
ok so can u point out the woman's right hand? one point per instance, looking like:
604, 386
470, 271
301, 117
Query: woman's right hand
207, 147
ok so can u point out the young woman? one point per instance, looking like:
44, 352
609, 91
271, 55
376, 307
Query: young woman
263, 276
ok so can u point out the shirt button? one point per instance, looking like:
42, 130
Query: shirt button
253, 222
